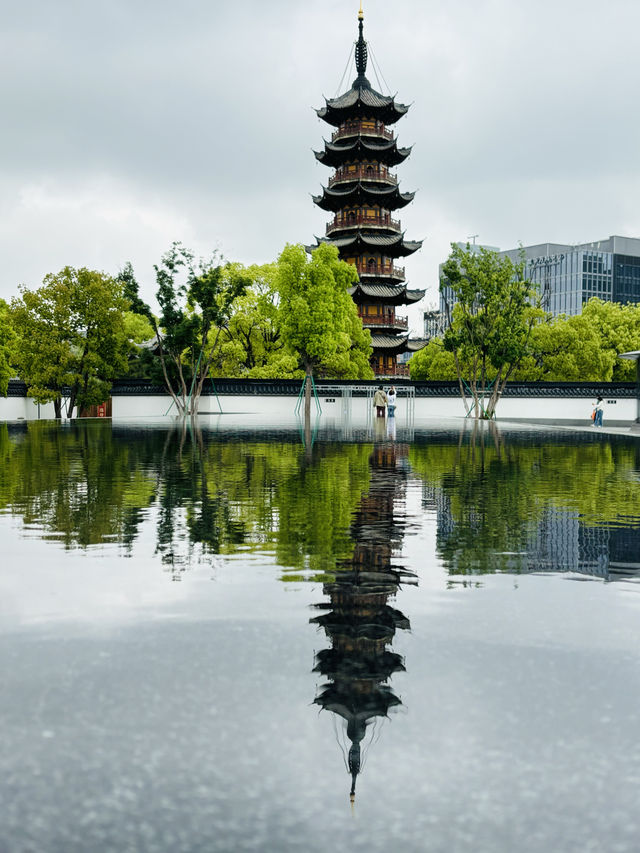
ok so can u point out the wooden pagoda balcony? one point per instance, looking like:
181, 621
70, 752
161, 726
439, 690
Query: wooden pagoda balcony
390, 372
388, 321
365, 269
354, 220
363, 173
361, 128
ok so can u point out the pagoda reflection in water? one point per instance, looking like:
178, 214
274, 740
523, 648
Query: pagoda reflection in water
358, 619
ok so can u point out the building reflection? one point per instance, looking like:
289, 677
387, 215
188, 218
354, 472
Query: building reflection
357, 617
558, 541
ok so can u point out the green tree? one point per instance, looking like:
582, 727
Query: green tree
196, 302
252, 343
619, 329
566, 349
491, 316
7, 347
319, 320
70, 336
433, 362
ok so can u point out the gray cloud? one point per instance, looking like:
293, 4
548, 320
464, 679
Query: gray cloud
127, 126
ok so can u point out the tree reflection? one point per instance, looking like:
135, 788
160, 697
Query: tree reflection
358, 619
78, 484
206, 493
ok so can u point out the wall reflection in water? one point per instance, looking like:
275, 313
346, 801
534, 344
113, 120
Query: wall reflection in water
358, 619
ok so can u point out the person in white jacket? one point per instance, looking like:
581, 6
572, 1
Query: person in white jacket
391, 401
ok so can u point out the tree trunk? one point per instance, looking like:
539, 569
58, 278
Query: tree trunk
307, 395
308, 441
57, 408
71, 402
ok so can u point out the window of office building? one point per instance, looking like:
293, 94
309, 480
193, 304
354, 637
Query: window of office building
626, 279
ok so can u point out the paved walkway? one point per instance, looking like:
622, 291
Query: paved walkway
633, 432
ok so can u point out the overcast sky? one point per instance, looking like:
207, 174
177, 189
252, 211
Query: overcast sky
127, 125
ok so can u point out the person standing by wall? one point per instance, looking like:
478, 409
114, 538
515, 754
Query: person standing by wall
597, 413
380, 402
391, 401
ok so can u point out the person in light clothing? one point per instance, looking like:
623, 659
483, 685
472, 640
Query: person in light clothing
391, 401
597, 413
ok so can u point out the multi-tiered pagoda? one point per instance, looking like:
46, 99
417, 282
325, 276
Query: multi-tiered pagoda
362, 194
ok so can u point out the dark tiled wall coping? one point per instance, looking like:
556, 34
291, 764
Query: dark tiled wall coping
291, 387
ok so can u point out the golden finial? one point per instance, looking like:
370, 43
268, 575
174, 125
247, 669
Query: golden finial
360, 13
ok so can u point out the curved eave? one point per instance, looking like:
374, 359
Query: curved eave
389, 197
415, 344
385, 152
393, 245
415, 295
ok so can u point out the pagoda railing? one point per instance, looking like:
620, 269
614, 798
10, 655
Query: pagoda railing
361, 128
352, 220
389, 372
364, 269
388, 320
362, 173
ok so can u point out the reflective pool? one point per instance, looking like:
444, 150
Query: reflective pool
365, 637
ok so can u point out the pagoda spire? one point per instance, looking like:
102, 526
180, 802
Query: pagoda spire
362, 54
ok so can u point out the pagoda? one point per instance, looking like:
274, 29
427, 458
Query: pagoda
362, 194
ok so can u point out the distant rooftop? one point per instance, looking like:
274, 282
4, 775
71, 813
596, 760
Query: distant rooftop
614, 243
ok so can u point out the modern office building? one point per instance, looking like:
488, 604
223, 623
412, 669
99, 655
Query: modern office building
433, 324
568, 276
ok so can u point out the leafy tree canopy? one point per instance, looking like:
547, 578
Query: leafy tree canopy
7, 347
433, 362
196, 302
560, 349
319, 320
70, 335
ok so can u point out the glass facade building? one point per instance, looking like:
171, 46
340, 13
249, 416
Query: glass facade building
568, 276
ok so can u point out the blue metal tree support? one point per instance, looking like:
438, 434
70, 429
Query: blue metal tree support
301, 396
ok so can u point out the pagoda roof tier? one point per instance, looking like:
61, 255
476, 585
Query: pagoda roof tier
389, 197
344, 698
361, 100
391, 344
395, 294
334, 663
386, 152
391, 245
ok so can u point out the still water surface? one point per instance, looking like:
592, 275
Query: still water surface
396, 638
